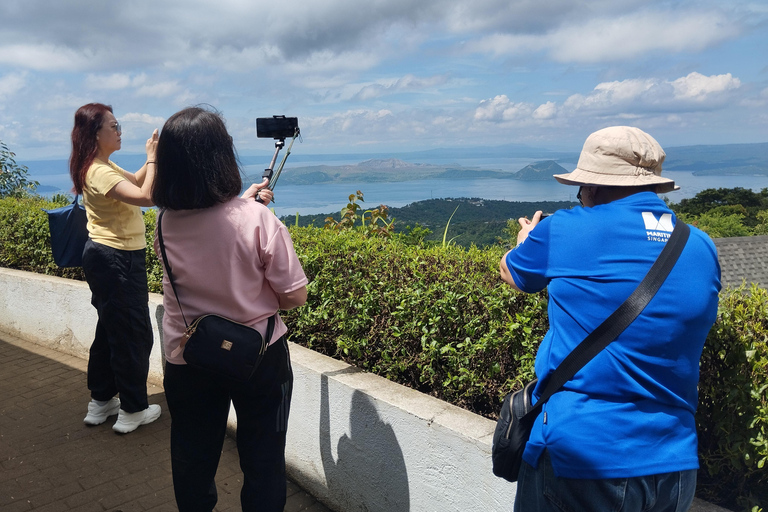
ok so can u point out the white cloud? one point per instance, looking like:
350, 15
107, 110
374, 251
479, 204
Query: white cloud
608, 94
700, 88
136, 117
623, 101
634, 35
692, 91
394, 71
115, 81
329, 62
49, 57
160, 89
408, 83
545, 111
500, 108
11, 83
617, 38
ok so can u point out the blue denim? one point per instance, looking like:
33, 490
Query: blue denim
539, 490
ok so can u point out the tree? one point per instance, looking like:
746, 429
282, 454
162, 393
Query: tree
13, 177
722, 225
711, 199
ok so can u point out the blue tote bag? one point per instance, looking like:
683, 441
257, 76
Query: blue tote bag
69, 233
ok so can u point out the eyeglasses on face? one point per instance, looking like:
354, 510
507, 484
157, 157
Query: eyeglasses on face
116, 126
578, 196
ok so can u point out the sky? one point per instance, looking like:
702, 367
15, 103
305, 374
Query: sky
388, 76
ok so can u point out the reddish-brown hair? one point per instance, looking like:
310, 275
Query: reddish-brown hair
88, 121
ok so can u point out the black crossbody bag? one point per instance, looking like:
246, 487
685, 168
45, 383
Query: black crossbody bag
216, 343
518, 412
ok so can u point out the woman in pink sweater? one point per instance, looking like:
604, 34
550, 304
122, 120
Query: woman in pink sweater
231, 256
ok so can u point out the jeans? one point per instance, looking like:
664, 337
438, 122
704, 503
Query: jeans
199, 405
119, 355
539, 490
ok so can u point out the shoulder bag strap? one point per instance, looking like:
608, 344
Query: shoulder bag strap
270, 322
620, 319
168, 263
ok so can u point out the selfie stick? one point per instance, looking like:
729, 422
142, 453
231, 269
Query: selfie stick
268, 173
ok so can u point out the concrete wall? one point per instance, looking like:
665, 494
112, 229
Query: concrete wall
57, 313
356, 441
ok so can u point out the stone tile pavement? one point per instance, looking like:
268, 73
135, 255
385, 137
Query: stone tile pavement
51, 462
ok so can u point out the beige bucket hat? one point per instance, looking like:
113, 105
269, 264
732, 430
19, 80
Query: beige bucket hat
620, 156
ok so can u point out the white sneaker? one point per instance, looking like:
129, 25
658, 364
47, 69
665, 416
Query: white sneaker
130, 421
98, 414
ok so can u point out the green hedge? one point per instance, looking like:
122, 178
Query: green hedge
732, 417
25, 240
438, 319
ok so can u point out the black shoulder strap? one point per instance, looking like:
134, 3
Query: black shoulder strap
168, 263
270, 323
620, 319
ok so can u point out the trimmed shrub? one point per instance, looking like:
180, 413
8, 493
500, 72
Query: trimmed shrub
438, 319
25, 239
732, 417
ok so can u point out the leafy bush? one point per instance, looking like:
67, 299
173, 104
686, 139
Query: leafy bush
439, 320
25, 239
733, 402
436, 319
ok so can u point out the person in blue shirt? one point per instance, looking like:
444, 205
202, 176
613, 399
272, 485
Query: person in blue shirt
621, 434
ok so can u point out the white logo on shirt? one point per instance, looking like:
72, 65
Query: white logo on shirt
658, 230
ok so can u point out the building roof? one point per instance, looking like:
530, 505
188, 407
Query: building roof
743, 258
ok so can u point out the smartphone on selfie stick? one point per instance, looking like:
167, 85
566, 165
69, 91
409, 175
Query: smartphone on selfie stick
278, 128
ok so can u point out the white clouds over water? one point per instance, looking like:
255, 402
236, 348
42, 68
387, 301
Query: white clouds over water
389, 74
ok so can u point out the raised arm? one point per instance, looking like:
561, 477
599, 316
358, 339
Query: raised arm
137, 188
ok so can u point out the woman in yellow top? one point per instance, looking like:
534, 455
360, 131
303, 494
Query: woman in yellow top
115, 268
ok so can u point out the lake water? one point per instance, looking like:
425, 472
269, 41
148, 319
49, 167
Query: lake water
331, 197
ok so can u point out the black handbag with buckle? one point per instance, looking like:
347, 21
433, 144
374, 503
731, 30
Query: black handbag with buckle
216, 343
518, 413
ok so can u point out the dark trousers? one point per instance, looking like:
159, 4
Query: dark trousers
199, 405
119, 355
539, 490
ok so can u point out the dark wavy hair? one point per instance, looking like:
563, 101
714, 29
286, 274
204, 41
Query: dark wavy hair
88, 121
196, 162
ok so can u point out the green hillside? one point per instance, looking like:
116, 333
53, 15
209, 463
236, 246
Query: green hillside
477, 221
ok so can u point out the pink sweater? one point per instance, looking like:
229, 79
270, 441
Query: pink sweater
230, 260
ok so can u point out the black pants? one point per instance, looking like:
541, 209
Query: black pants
199, 405
119, 355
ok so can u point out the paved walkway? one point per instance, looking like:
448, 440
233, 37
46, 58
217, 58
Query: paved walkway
52, 462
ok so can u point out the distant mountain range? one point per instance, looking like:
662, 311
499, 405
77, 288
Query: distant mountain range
722, 160
705, 160
396, 170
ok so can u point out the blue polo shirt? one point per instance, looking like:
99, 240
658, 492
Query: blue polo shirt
630, 411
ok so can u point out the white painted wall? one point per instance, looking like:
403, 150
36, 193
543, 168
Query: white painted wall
361, 442
356, 441
57, 313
